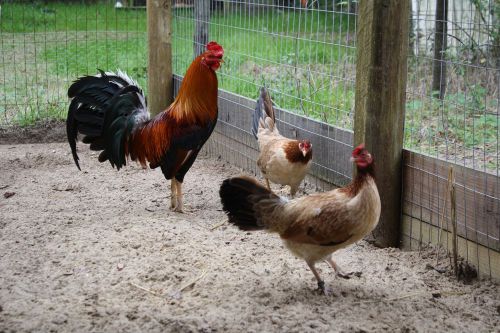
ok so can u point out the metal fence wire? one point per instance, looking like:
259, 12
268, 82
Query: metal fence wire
304, 52
306, 56
452, 115
44, 46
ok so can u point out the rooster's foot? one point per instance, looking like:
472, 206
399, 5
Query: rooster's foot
177, 209
184, 209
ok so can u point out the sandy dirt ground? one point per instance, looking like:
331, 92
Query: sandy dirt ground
99, 251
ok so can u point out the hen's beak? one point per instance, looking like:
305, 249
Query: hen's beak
304, 152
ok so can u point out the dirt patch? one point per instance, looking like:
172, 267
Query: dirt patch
99, 250
46, 132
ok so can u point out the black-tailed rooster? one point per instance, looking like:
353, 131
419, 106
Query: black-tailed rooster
314, 226
110, 111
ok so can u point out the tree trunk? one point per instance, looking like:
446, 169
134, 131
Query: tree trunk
440, 45
201, 25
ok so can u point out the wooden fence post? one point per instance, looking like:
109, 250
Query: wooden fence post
160, 77
201, 26
381, 70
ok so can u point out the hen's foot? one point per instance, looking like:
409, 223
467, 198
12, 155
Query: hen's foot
348, 275
339, 272
322, 289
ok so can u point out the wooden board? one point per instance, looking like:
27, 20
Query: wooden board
416, 232
477, 197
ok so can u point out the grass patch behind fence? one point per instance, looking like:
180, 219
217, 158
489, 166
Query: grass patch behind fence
305, 58
272, 48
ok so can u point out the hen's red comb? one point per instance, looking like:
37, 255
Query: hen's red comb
358, 149
216, 49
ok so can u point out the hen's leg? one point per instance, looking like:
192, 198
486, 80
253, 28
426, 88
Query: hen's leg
338, 270
321, 283
173, 193
268, 185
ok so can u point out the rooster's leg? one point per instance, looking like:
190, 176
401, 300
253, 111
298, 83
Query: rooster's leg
337, 269
179, 204
321, 283
173, 193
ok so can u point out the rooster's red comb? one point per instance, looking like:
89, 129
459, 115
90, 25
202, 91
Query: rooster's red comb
216, 49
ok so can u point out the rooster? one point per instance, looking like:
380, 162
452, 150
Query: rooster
314, 226
281, 160
110, 111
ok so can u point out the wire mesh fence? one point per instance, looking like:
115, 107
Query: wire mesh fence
453, 95
305, 54
452, 114
46, 45
306, 57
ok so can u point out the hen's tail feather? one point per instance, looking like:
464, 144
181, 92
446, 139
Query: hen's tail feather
239, 196
263, 109
106, 108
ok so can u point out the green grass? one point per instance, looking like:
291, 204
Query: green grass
462, 127
128, 54
294, 53
39, 17
283, 51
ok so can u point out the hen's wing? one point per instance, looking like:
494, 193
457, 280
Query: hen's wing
269, 152
321, 219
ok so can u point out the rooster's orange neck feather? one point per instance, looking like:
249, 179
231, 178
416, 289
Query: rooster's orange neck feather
196, 101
